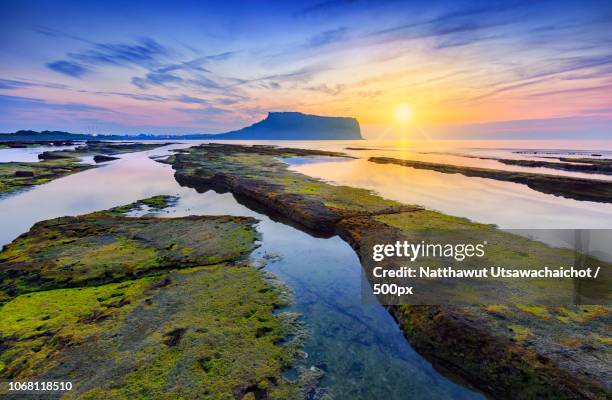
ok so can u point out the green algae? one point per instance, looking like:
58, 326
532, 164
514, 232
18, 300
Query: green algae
262, 164
106, 246
153, 204
15, 176
146, 308
506, 350
35, 326
205, 332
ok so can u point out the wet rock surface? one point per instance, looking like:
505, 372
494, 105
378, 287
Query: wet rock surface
16, 176
564, 186
510, 351
145, 308
99, 158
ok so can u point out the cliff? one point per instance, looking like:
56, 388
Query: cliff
276, 126
294, 126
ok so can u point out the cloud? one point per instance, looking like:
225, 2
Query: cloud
17, 84
68, 68
455, 28
556, 68
143, 53
180, 98
324, 88
51, 32
156, 79
11, 103
190, 100
300, 75
226, 101
197, 63
188, 73
207, 111
324, 7
327, 37
205, 115
204, 82
581, 91
462, 40
144, 97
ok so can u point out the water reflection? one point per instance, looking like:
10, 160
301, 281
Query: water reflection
455, 152
360, 347
29, 154
508, 205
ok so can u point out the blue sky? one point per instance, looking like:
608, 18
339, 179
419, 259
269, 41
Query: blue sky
535, 68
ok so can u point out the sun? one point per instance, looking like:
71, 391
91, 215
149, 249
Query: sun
403, 113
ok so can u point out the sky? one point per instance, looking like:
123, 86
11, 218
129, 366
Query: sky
446, 69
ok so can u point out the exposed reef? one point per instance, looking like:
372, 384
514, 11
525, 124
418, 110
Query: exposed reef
94, 148
12, 144
21, 175
146, 308
564, 186
515, 351
100, 158
91, 249
585, 165
56, 164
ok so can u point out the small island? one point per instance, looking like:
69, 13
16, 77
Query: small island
275, 126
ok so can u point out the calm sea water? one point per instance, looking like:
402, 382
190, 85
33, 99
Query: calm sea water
360, 347
28, 154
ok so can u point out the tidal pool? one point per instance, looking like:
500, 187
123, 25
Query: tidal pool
505, 204
360, 347
29, 154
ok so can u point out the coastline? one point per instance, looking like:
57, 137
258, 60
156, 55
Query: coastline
500, 361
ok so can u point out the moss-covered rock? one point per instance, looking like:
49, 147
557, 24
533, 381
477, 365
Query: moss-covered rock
511, 351
203, 332
107, 247
558, 185
15, 176
145, 308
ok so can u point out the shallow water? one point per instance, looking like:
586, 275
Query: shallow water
463, 153
28, 154
360, 347
506, 204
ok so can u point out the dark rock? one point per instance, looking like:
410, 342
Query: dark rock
468, 342
24, 174
564, 186
99, 158
52, 155
173, 337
